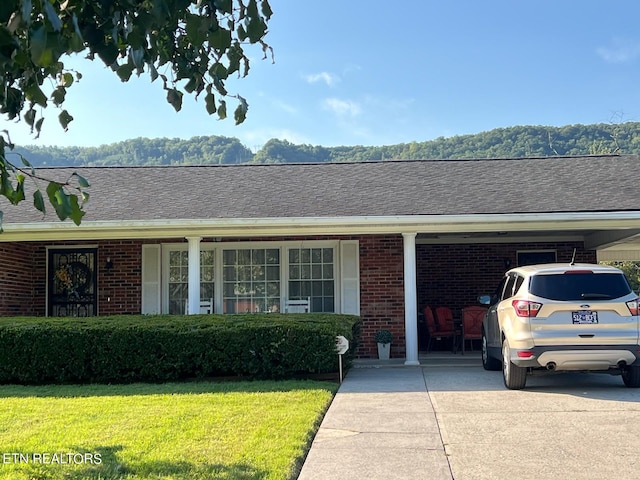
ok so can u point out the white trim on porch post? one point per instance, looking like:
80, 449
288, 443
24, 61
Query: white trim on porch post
194, 275
410, 299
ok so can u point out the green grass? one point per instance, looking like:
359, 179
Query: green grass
228, 430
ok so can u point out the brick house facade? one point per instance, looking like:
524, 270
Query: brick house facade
377, 217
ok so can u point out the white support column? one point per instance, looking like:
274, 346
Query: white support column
410, 299
194, 275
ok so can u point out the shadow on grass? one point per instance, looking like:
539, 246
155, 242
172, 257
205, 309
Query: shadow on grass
103, 464
186, 388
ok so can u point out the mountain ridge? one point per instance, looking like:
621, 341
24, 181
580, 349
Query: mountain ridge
505, 142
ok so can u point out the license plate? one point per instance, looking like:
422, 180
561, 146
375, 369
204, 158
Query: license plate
584, 316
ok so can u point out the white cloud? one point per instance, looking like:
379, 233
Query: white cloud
620, 51
342, 108
329, 78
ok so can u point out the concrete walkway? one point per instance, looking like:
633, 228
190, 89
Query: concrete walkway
380, 425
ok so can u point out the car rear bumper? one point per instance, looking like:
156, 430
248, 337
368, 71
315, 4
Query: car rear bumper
571, 357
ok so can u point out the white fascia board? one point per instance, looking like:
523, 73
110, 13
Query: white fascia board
251, 227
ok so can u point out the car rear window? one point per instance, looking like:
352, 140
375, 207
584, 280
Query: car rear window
580, 286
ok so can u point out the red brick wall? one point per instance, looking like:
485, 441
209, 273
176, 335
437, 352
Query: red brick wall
451, 275
16, 279
23, 282
454, 275
381, 292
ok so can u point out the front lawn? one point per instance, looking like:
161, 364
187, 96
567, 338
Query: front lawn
228, 430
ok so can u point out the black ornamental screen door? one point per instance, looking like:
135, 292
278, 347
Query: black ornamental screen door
72, 283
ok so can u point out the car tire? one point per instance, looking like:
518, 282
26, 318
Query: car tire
515, 377
488, 362
631, 376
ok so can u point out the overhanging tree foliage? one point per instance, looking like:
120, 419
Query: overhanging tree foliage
191, 46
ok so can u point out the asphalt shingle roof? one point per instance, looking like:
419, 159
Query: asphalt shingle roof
389, 188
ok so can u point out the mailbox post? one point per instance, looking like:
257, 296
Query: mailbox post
342, 345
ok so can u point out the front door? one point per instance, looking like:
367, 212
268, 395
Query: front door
72, 279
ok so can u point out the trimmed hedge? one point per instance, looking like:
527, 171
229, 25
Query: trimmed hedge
159, 348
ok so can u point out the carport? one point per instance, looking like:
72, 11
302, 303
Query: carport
454, 267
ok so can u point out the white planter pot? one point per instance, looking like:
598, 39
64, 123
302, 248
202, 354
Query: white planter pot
383, 351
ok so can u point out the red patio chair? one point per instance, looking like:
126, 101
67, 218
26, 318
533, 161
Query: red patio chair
435, 332
472, 324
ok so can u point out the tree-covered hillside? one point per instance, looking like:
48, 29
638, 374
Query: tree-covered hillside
521, 141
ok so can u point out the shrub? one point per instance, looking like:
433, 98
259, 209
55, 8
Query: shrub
383, 336
159, 348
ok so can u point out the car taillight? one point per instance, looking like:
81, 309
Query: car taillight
525, 308
633, 306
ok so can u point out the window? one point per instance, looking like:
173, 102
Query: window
311, 275
251, 280
178, 287
254, 277
580, 286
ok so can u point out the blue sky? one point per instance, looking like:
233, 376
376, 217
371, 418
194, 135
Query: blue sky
372, 72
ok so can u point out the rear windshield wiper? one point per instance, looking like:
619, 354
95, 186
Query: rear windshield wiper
595, 296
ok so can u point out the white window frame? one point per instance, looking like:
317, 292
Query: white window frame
283, 246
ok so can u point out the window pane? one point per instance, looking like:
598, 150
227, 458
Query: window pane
258, 257
273, 273
229, 257
294, 272
249, 281
311, 274
305, 271
316, 271
327, 271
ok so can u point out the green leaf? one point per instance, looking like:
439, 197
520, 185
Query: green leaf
65, 119
124, 71
35, 95
220, 39
58, 96
222, 110
240, 113
266, 10
76, 211
52, 16
40, 54
210, 101
219, 70
26, 11
59, 199
30, 117
38, 201
39, 124
256, 27
225, 6
83, 182
174, 97
66, 79
153, 73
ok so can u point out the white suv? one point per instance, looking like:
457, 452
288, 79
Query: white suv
555, 317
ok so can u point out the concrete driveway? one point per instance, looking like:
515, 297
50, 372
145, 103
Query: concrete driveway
450, 419
565, 426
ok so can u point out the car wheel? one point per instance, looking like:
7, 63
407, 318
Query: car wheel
515, 377
631, 376
489, 363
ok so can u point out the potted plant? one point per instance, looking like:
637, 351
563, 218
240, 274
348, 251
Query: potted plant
383, 339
